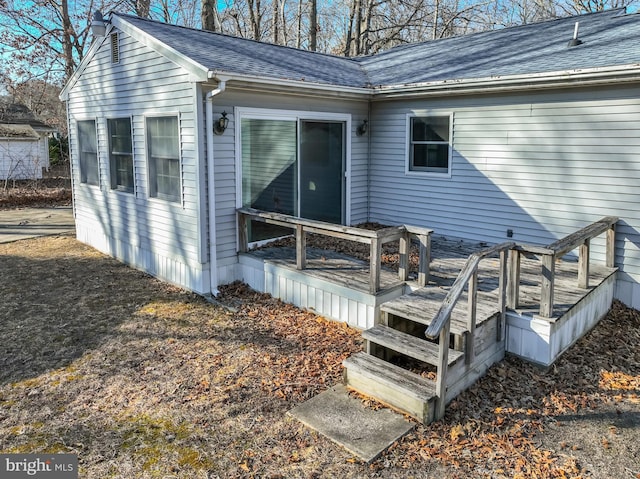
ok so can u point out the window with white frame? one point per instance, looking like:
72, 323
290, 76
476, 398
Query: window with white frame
164, 158
121, 154
88, 152
430, 144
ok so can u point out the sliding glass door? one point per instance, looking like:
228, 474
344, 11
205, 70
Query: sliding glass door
322, 170
293, 166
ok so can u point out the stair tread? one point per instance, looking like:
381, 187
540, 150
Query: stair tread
411, 346
392, 375
422, 305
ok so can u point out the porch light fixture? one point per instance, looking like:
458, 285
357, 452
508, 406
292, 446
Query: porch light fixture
221, 125
362, 129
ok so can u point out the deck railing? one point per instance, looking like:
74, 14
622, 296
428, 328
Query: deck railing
580, 239
440, 326
375, 240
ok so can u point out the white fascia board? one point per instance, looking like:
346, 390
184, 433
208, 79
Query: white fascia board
241, 81
583, 77
198, 72
95, 45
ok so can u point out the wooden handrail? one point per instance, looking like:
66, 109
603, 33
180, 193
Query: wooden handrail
576, 239
374, 238
471, 266
579, 239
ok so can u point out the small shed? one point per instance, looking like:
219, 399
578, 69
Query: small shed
24, 142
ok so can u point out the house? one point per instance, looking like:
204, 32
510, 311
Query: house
525, 133
24, 142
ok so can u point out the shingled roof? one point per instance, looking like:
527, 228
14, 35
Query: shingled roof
609, 38
233, 55
14, 114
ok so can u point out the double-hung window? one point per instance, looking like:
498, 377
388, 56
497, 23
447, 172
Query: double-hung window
164, 158
121, 154
430, 144
88, 152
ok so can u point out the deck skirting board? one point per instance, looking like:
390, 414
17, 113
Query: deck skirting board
356, 308
542, 341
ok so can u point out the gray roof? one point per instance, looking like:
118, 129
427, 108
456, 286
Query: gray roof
609, 38
18, 131
13, 113
228, 54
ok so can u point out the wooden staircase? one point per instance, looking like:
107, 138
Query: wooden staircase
432, 344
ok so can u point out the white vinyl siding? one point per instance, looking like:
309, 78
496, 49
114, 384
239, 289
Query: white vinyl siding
542, 165
160, 237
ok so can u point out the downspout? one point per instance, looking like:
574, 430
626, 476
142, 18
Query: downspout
213, 257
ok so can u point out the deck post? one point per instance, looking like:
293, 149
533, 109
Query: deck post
301, 247
583, 264
547, 286
424, 259
243, 232
513, 281
374, 265
502, 294
443, 362
611, 246
472, 298
403, 266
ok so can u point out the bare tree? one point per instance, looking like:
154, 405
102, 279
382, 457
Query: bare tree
313, 26
209, 16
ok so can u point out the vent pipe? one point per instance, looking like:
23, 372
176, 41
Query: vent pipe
575, 40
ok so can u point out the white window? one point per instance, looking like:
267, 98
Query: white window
430, 144
121, 154
164, 158
88, 150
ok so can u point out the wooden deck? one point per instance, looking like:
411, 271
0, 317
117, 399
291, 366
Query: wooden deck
447, 259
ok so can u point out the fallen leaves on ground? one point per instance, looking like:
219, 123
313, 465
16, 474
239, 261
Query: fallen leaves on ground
142, 379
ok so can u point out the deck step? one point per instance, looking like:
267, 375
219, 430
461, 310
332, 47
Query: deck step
392, 385
422, 305
408, 345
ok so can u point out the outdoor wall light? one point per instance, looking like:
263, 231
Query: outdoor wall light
221, 125
362, 129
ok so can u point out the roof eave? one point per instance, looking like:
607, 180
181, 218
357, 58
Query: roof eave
567, 78
283, 85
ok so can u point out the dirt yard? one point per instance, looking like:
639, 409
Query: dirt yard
143, 380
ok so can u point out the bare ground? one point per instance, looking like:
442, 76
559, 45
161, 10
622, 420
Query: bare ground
143, 380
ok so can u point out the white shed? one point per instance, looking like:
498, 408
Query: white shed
24, 142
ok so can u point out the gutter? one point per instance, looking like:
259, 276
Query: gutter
569, 78
289, 86
213, 255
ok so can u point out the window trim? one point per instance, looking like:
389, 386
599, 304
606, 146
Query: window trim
119, 189
180, 200
96, 125
274, 114
407, 164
